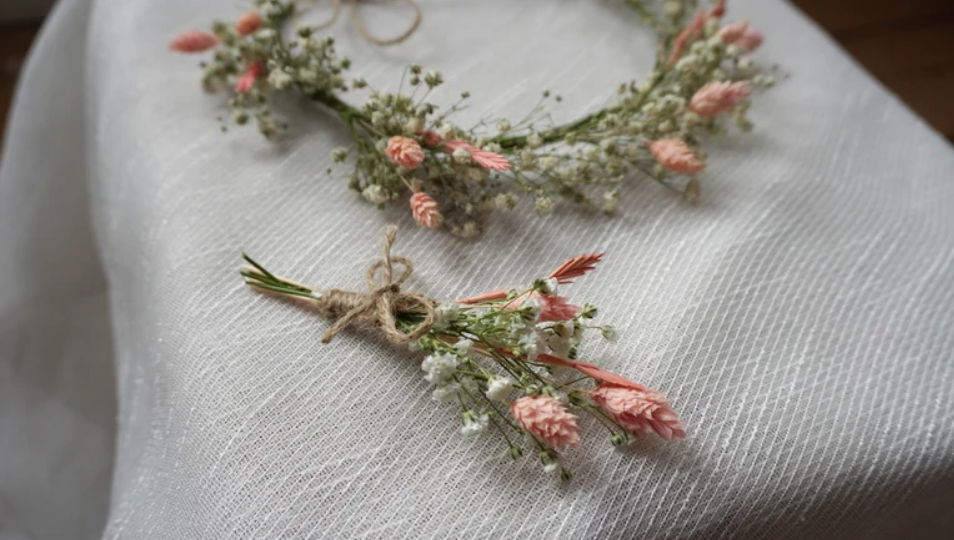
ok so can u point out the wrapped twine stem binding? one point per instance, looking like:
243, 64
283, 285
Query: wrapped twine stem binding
378, 307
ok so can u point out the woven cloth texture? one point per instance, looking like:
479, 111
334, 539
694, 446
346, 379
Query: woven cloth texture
799, 316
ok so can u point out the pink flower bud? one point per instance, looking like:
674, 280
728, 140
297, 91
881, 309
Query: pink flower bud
732, 32
751, 39
639, 411
247, 80
404, 152
487, 160
193, 41
676, 156
553, 308
716, 98
425, 210
248, 23
546, 419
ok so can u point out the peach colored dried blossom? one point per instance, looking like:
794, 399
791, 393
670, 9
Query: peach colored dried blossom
590, 370
248, 23
575, 267
732, 32
750, 40
639, 411
487, 160
425, 210
548, 420
489, 296
247, 80
716, 98
676, 156
193, 41
692, 31
490, 160
405, 152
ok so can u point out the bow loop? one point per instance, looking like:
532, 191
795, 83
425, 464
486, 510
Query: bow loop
383, 300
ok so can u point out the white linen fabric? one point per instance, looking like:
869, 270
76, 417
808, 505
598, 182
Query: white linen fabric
799, 317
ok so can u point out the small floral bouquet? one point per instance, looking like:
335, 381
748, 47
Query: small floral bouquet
402, 143
507, 358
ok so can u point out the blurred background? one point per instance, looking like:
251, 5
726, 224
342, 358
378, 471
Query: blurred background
908, 45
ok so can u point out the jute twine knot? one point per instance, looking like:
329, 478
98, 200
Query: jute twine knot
359, 24
381, 303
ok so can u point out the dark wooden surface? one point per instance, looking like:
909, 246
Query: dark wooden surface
907, 44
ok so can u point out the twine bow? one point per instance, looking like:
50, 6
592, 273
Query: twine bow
380, 304
359, 24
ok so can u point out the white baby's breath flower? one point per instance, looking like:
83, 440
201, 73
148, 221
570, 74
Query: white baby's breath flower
447, 130
461, 155
445, 315
375, 194
439, 368
446, 393
279, 79
550, 468
505, 201
543, 204
548, 163
499, 388
464, 347
474, 425
534, 140
414, 125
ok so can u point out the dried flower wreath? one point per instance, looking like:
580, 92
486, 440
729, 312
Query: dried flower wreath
402, 143
483, 350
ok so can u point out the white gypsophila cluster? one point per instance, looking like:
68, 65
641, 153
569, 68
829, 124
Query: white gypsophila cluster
445, 315
499, 388
439, 368
446, 392
474, 424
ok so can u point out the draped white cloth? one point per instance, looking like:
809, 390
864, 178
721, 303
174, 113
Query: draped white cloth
799, 317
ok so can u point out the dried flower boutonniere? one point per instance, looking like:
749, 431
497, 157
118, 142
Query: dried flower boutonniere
404, 144
507, 358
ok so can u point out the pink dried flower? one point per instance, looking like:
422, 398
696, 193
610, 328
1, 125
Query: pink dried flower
490, 160
193, 41
590, 370
489, 296
546, 419
431, 138
719, 10
552, 308
575, 267
732, 32
639, 411
425, 210
247, 80
405, 152
692, 31
751, 39
487, 160
716, 98
674, 155
248, 23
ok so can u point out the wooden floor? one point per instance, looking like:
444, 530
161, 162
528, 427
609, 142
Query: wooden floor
908, 45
